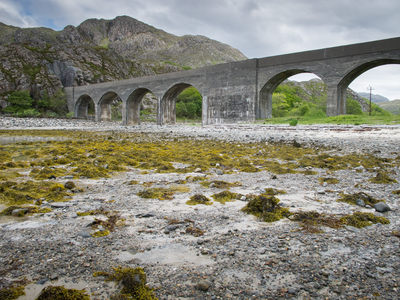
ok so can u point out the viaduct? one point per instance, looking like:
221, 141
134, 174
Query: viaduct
237, 91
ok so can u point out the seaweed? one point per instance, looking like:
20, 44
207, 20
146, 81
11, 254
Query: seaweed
354, 198
361, 219
382, 178
62, 293
266, 208
199, 199
133, 283
226, 196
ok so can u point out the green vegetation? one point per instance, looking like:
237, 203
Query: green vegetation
226, 196
360, 219
199, 199
12, 292
328, 180
293, 104
133, 282
353, 198
266, 208
161, 193
17, 193
311, 221
188, 104
21, 104
61, 293
382, 178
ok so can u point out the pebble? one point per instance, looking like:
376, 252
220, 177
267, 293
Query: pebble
381, 207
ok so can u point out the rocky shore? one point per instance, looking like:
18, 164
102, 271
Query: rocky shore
233, 255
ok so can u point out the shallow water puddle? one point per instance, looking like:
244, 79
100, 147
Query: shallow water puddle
33, 290
171, 254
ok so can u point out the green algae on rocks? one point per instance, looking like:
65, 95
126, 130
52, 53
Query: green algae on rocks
199, 199
133, 283
12, 292
20, 211
353, 198
382, 178
162, 193
311, 221
328, 180
361, 219
226, 196
266, 208
62, 293
17, 193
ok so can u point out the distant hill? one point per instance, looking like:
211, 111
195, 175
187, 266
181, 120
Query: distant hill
375, 98
392, 106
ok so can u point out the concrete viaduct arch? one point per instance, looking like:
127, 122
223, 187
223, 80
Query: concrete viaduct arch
240, 91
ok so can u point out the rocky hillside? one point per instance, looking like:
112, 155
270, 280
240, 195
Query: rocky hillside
374, 97
41, 59
392, 106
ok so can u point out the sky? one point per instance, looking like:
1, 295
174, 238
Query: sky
258, 28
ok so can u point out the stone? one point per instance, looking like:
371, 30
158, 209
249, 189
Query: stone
197, 170
170, 228
243, 198
19, 212
360, 202
219, 172
60, 204
203, 285
381, 207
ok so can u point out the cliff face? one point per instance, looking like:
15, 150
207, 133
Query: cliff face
41, 59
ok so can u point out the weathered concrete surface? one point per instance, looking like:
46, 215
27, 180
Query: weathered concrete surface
238, 91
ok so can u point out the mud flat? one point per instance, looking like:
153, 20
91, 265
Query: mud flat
218, 251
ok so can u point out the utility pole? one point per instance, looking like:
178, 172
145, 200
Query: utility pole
370, 97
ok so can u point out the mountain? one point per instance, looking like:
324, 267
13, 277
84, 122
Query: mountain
374, 98
98, 50
392, 106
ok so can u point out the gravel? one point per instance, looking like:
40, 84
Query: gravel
238, 257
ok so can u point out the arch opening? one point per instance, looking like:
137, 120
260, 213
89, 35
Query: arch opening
293, 93
368, 75
85, 108
183, 102
141, 107
110, 107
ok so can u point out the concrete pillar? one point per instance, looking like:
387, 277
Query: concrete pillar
97, 111
204, 111
123, 113
132, 112
105, 111
265, 104
332, 101
159, 111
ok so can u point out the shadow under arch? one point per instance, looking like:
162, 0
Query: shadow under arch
105, 103
85, 107
264, 109
133, 105
168, 102
353, 74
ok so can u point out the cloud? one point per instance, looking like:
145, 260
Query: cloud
11, 13
258, 28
